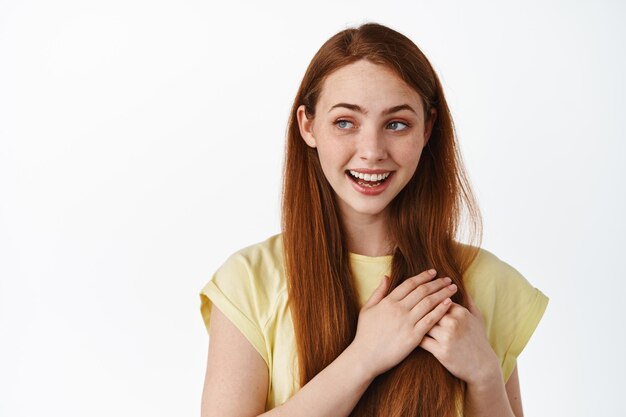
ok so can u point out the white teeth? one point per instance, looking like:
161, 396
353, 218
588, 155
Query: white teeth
369, 177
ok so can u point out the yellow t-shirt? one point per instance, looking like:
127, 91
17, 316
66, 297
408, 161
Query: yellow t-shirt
250, 288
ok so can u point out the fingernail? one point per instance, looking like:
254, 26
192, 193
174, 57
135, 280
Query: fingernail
432, 272
447, 301
448, 280
452, 287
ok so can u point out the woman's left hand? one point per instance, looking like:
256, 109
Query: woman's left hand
459, 342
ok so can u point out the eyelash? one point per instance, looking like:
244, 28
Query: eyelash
393, 121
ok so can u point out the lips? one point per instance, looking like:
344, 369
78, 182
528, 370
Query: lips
372, 182
369, 177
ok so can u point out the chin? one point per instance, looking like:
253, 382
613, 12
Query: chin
367, 209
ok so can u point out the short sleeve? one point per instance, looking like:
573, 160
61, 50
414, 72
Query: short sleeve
510, 305
234, 290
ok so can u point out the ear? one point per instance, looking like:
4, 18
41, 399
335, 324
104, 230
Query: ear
428, 126
306, 126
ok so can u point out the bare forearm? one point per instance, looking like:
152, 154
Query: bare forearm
332, 393
488, 399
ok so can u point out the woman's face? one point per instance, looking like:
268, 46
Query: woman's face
369, 131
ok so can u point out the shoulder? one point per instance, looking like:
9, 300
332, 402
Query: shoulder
246, 288
265, 254
492, 283
255, 269
488, 271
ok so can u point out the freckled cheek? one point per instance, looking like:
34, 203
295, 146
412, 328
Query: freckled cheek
408, 155
331, 163
333, 155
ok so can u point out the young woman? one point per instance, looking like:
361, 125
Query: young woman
367, 304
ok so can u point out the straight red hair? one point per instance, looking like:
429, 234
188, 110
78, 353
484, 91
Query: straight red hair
425, 221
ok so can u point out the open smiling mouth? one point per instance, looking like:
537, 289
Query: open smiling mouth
368, 180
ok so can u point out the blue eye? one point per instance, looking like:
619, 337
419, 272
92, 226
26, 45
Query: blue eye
398, 122
341, 124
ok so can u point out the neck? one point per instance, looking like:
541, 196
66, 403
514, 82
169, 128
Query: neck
368, 235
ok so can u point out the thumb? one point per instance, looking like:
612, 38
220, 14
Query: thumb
379, 293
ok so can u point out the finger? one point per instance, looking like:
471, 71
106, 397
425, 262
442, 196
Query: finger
431, 302
458, 311
457, 317
425, 290
411, 283
429, 344
379, 293
438, 331
429, 320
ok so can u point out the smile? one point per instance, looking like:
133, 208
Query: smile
368, 180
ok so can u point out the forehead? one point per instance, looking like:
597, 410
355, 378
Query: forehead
372, 86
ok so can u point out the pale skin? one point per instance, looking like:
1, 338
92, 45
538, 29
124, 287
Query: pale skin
418, 312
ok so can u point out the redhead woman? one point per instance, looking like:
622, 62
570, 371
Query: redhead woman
368, 303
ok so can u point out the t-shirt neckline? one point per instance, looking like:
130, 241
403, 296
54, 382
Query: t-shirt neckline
372, 259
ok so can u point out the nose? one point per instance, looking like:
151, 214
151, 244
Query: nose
372, 147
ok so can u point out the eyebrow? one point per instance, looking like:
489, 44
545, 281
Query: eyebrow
385, 112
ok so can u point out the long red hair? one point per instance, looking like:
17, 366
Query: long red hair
425, 221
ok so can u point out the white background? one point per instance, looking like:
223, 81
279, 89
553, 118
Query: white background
141, 143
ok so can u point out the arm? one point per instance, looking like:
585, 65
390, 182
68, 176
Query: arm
236, 381
494, 398
513, 392
389, 328
333, 392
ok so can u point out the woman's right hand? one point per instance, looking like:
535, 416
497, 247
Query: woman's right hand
390, 327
